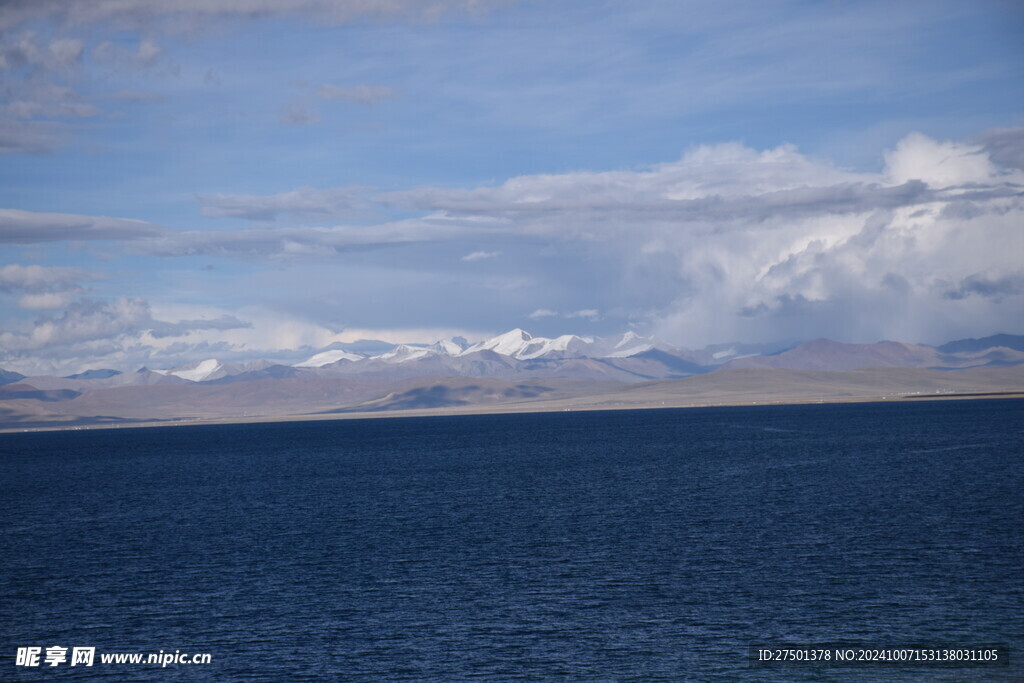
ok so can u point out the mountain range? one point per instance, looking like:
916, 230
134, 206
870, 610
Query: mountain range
512, 370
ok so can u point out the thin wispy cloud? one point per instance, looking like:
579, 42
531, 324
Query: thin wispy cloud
361, 94
480, 255
542, 313
27, 227
303, 203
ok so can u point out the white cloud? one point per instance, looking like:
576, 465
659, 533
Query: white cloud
727, 243
589, 313
27, 227
86, 321
760, 245
297, 243
940, 164
304, 202
542, 313
36, 279
480, 255
45, 301
586, 313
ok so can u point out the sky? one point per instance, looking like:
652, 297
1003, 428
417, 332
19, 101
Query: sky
260, 179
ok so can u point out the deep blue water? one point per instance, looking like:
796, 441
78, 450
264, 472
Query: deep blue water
595, 546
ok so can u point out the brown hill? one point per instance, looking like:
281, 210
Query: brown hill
312, 397
825, 354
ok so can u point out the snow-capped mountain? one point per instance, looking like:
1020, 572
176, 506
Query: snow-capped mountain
631, 344
327, 357
211, 369
515, 345
508, 344
198, 371
510, 366
517, 353
451, 347
403, 353
521, 345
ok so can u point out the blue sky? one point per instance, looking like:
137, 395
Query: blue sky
248, 179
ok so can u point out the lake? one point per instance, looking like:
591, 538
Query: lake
645, 545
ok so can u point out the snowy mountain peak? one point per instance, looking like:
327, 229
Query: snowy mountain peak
404, 353
566, 345
522, 345
516, 336
627, 338
630, 344
508, 344
451, 347
198, 371
328, 357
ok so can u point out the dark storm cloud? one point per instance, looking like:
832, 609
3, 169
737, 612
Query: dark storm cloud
987, 287
1005, 146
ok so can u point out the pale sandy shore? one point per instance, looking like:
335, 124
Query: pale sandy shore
575, 404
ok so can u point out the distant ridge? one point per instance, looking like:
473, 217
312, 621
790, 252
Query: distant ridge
825, 354
1009, 341
312, 397
8, 377
517, 354
506, 370
94, 374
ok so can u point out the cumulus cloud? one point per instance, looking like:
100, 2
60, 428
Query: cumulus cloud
45, 301
733, 243
128, 333
702, 186
27, 227
43, 287
86, 320
940, 164
726, 243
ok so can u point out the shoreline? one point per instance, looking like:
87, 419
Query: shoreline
512, 409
